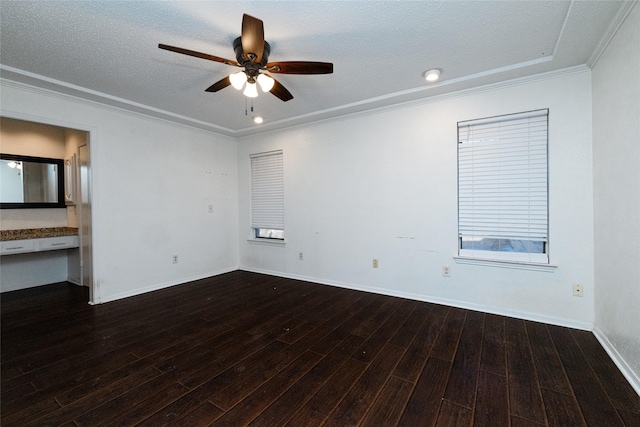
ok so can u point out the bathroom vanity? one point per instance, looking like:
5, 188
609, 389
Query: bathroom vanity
38, 256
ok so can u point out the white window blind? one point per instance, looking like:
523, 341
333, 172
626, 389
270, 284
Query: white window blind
267, 191
503, 186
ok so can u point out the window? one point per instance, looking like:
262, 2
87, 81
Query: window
502, 188
267, 195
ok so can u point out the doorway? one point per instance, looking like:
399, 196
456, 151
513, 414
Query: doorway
57, 140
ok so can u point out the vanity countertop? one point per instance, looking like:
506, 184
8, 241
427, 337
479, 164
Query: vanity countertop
37, 233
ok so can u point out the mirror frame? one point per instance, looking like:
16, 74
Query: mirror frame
38, 205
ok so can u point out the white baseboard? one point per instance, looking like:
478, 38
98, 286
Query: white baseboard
626, 370
159, 286
569, 323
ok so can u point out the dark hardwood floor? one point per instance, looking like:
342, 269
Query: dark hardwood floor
248, 349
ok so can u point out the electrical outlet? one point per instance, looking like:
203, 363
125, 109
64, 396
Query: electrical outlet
175, 259
446, 271
578, 290
375, 263
210, 208
300, 256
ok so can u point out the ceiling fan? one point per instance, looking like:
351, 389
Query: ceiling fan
252, 54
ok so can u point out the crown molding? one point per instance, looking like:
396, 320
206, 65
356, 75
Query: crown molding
274, 127
63, 90
398, 100
612, 30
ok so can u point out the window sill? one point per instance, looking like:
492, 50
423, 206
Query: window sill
549, 268
268, 242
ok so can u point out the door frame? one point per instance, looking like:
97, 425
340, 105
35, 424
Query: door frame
94, 289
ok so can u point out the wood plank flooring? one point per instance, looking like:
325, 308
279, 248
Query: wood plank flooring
248, 349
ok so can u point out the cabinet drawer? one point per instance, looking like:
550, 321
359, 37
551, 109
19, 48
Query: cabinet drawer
53, 243
38, 245
17, 246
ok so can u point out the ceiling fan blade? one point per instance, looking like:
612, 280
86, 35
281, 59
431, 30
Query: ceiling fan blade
300, 67
252, 38
281, 91
198, 54
220, 84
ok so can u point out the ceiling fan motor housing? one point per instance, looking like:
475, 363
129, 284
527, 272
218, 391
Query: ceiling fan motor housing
251, 68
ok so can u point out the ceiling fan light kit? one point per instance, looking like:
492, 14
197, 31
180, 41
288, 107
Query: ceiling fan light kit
252, 54
238, 79
250, 90
266, 82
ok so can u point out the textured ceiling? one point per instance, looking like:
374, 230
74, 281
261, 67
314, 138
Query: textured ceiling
107, 51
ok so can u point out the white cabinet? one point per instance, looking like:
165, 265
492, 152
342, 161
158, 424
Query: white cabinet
9, 247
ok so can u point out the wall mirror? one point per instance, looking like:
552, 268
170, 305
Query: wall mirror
31, 182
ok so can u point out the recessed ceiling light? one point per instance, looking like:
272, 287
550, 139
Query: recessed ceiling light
258, 119
433, 74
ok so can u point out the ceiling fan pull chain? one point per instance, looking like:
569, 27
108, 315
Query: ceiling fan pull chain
245, 106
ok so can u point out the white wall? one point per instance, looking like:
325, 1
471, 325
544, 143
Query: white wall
384, 185
152, 183
31, 139
616, 164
